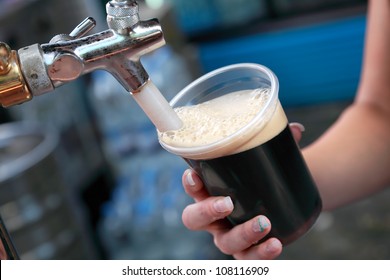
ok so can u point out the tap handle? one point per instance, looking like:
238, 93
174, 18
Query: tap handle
80, 30
83, 28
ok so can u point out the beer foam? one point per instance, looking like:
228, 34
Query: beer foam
209, 122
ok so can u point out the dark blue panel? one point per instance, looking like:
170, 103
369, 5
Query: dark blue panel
314, 64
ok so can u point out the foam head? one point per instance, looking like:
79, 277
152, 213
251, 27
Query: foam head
222, 111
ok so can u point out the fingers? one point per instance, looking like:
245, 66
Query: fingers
237, 241
268, 250
297, 129
243, 236
193, 185
209, 213
203, 213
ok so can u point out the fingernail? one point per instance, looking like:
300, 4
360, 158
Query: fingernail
190, 179
261, 224
298, 125
223, 204
273, 246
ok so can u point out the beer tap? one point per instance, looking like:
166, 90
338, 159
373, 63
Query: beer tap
40, 68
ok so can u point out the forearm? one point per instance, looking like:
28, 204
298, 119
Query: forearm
352, 159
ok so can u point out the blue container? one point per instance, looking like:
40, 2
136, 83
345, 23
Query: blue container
315, 63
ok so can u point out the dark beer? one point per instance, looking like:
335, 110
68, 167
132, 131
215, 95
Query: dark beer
236, 137
271, 179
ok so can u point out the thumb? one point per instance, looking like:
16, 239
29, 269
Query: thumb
297, 129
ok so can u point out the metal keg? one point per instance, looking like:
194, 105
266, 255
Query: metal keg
33, 198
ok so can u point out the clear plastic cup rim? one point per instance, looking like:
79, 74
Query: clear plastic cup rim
242, 135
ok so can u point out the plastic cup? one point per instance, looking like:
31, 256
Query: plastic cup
255, 160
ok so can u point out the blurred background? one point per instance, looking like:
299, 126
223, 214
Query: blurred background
82, 175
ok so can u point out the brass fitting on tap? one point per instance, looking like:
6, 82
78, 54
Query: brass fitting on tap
13, 88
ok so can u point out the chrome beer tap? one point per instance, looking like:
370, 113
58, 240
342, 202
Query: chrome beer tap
40, 68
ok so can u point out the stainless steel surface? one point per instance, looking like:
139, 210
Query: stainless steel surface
34, 70
34, 205
21, 146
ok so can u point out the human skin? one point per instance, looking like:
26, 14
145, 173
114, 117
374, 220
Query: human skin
350, 161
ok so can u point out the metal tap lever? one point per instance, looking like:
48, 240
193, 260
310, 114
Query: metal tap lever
83, 28
43, 67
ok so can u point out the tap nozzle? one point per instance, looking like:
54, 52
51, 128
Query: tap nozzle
123, 18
